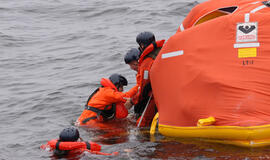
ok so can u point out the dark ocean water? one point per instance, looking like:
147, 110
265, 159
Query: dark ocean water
52, 56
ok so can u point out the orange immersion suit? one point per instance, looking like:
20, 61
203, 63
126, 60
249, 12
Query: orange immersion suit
105, 103
143, 80
73, 148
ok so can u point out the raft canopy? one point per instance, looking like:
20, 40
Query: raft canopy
212, 9
218, 69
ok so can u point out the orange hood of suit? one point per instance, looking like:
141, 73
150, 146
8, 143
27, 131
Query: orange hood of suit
219, 67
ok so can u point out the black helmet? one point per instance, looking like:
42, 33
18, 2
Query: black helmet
132, 55
70, 134
145, 38
118, 79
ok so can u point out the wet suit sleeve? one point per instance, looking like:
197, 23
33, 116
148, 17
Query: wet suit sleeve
132, 91
114, 96
135, 97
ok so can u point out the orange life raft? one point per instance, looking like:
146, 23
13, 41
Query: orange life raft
212, 77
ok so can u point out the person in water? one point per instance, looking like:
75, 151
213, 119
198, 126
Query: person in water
71, 144
107, 102
149, 49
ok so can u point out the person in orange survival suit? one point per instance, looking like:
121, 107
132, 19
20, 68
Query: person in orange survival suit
131, 58
107, 102
150, 49
71, 145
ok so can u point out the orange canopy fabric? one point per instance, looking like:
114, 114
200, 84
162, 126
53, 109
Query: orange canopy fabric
219, 68
211, 6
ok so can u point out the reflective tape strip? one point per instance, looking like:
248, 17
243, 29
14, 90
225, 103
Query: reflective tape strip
258, 8
247, 17
246, 45
145, 74
182, 27
255, 2
172, 54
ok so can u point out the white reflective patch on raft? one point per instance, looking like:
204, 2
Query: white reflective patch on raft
258, 8
255, 2
247, 17
246, 45
172, 54
182, 27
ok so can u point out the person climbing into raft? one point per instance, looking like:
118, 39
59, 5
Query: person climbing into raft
107, 102
145, 107
71, 144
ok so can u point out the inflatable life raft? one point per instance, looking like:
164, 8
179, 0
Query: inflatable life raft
211, 79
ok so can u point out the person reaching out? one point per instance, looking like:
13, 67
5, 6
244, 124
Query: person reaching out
107, 102
131, 58
144, 101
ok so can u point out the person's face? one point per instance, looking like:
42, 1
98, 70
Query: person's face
141, 47
134, 65
121, 89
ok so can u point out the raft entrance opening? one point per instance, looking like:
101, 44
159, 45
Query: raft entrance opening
215, 14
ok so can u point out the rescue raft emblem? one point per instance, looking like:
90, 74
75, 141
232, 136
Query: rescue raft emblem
247, 32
